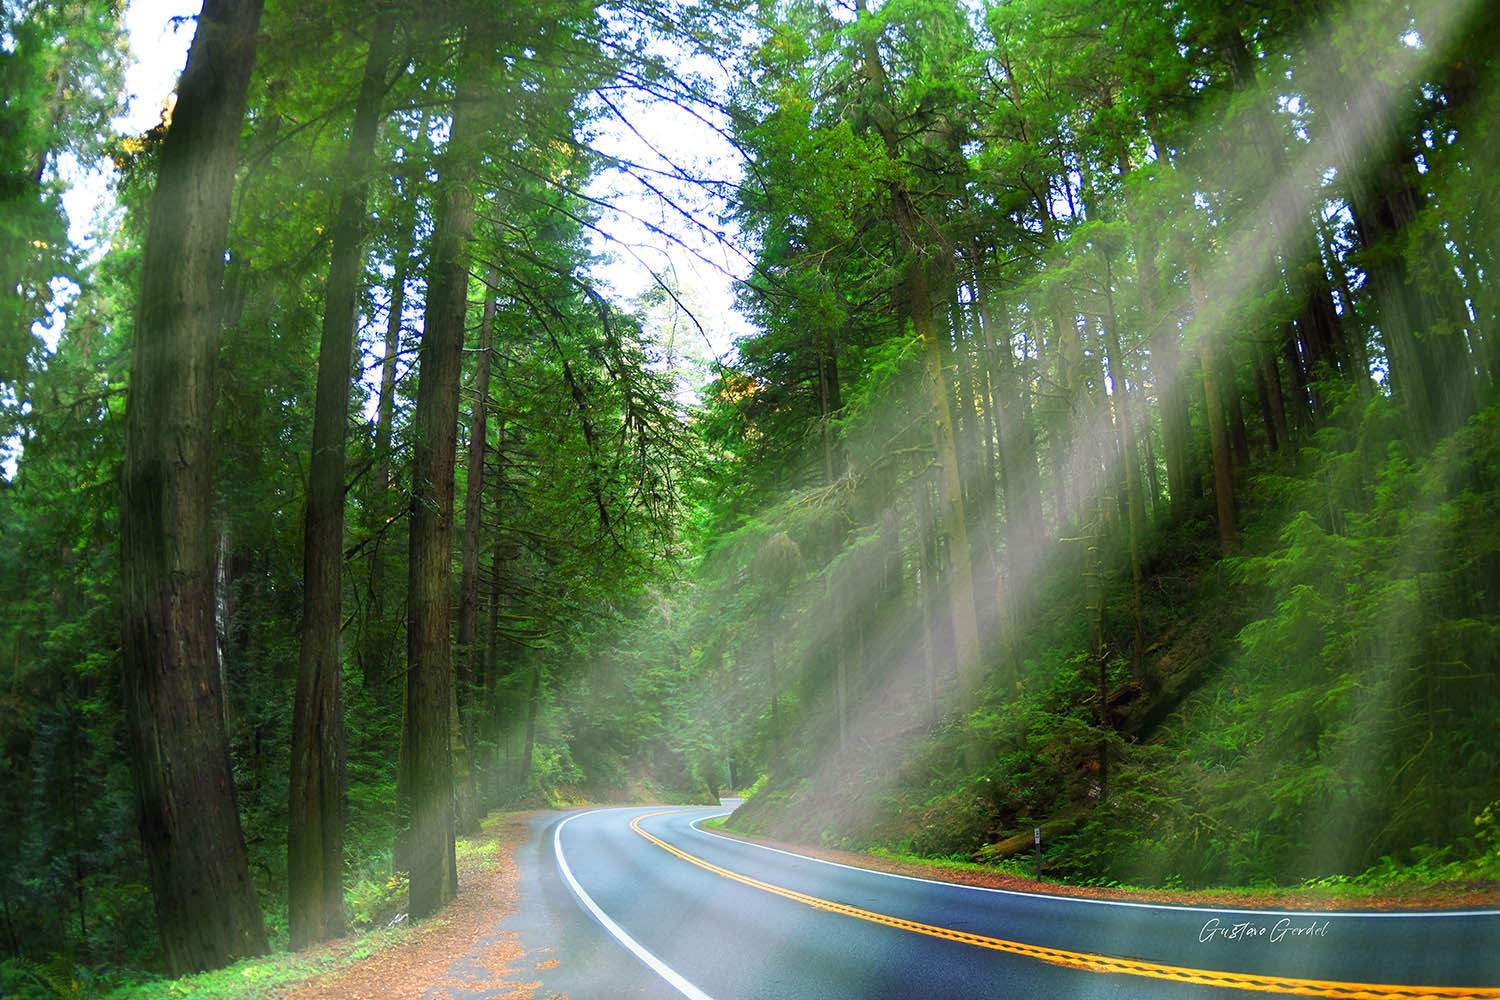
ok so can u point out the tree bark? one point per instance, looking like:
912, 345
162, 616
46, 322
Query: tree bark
206, 908
429, 672
315, 820
468, 587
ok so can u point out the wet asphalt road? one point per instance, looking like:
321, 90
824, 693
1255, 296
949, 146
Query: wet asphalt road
606, 911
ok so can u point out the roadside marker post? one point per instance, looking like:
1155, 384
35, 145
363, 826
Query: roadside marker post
1036, 833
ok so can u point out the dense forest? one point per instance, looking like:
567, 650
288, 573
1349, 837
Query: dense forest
1114, 449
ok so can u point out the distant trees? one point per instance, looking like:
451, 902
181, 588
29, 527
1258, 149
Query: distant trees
60, 71
1105, 268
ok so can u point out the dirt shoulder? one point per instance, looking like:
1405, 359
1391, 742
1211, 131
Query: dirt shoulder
1442, 896
455, 954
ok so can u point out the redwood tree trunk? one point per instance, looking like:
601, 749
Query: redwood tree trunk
468, 588
1135, 502
376, 648
206, 909
315, 819
429, 673
1218, 428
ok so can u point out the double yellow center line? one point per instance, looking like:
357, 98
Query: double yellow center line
1091, 962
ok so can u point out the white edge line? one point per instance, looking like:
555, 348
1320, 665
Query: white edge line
1051, 897
655, 964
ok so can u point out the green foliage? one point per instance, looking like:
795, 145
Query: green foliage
59, 979
60, 72
1348, 731
369, 904
758, 589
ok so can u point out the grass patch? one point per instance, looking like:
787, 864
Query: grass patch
366, 901
254, 978
1019, 867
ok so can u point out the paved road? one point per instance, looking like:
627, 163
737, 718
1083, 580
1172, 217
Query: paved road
642, 903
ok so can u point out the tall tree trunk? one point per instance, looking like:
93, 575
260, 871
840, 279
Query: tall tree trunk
830, 401
1292, 237
950, 488
533, 705
1024, 533
206, 908
1273, 406
1134, 501
468, 587
492, 714
979, 489
1431, 372
376, 651
1218, 429
315, 818
429, 671
927, 589
1093, 599
1239, 438
920, 302
1166, 365
1299, 410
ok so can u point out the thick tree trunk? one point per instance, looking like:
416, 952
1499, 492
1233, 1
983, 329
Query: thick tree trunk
429, 673
206, 908
1431, 371
315, 820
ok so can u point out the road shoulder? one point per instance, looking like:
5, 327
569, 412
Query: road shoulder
1442, 896
461, 951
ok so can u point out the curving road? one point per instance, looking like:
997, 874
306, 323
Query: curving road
641, 902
